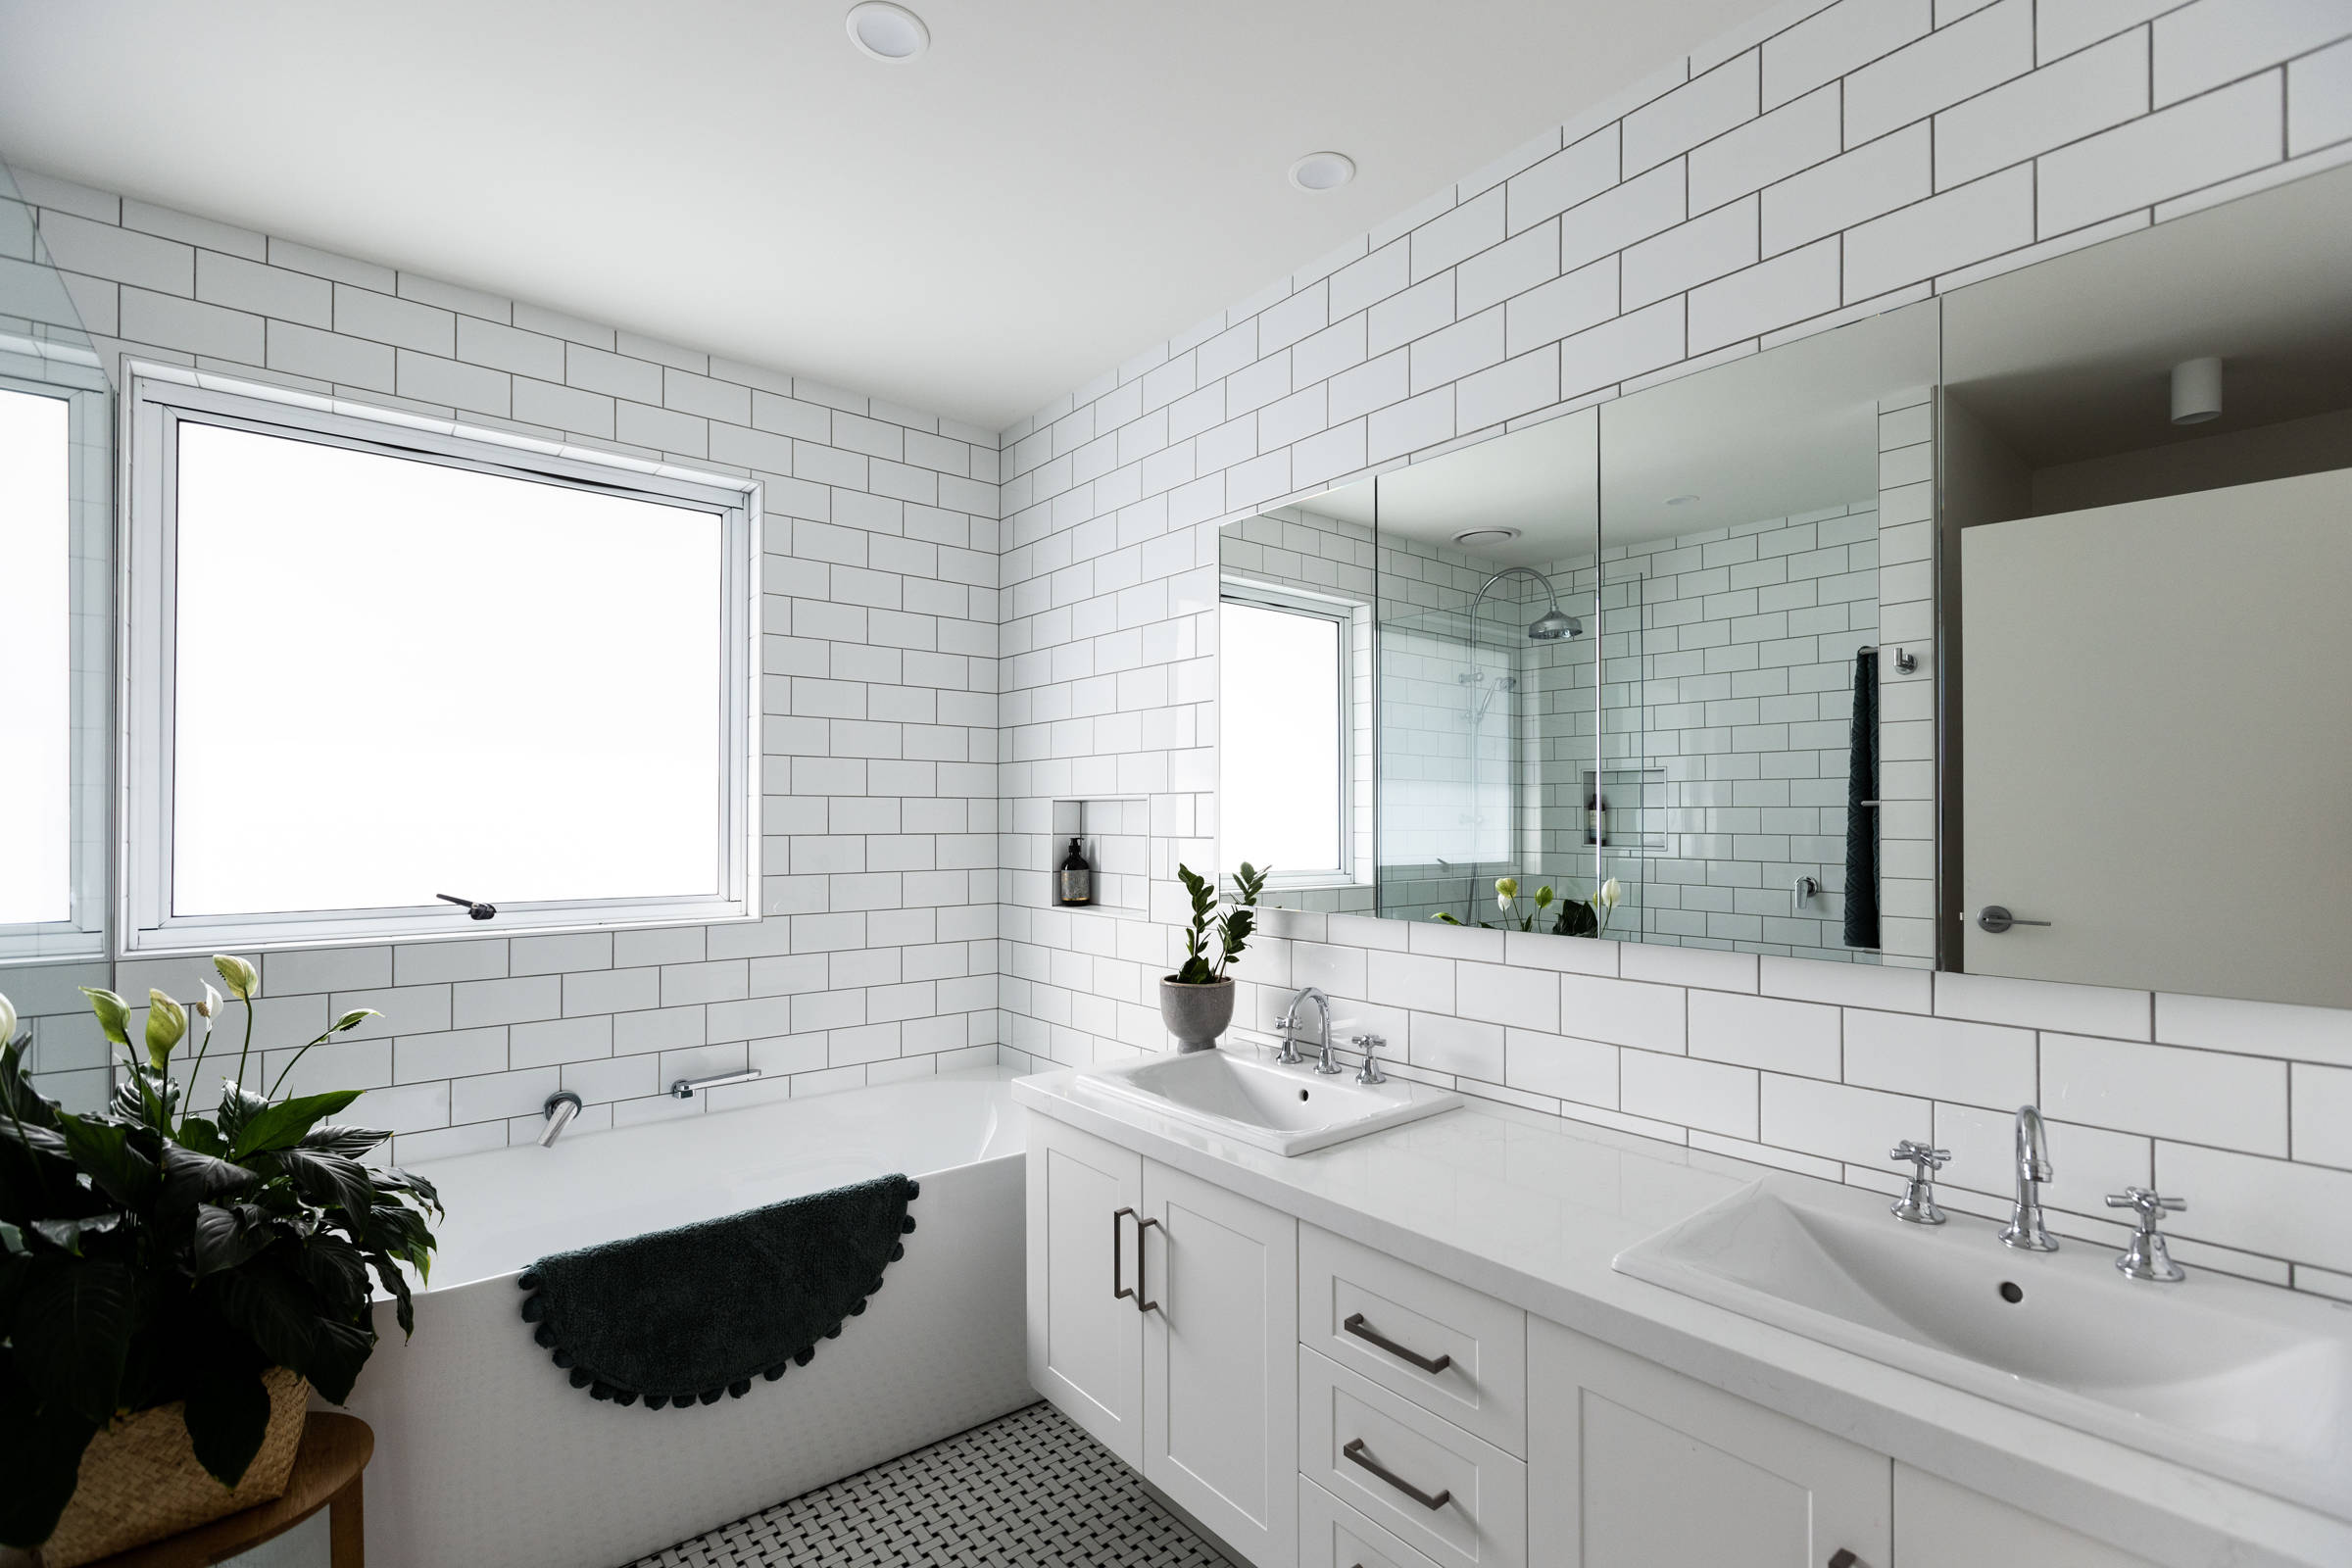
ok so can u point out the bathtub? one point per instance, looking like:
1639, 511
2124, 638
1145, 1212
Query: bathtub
486, 1456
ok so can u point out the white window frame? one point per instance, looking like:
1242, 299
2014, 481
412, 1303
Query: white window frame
1342, 614
164, 397
71, 376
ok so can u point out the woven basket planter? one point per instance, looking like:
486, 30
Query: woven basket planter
139, 1479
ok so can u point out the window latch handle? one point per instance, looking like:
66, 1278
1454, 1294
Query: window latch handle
474, 911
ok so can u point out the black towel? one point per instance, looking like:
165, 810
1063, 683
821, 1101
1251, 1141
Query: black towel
1861, 807
683, 1316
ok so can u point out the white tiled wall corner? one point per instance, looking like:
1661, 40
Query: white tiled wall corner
1886, 149
877, 953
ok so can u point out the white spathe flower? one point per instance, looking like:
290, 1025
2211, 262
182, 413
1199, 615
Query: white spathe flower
212, 1002
7, 1021
1507, 892
244, 981
1610, 893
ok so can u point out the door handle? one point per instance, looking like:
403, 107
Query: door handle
1356, 1326
1143, 1303
1845, 1558
1355, 1450
1995, 919
1118, 1292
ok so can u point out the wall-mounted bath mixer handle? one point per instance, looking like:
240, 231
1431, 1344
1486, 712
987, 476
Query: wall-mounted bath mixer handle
474, 907
684, 1087
1803, 888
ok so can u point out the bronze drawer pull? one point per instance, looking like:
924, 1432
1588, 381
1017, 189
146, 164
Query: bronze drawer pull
1355, 1450
1356, 1326
1843, 1559
1118, 1292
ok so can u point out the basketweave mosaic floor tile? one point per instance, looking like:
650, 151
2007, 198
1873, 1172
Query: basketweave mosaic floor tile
1029, 1488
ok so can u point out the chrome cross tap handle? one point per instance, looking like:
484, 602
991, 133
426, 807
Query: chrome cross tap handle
2147, 1259
1917, 1206
1369, 1072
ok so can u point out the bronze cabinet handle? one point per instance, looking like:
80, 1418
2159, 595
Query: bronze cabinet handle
1142, 1303
1843, 1559
1118, 1292
1356, 1326
1355, 1450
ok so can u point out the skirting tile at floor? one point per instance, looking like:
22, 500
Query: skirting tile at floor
1029, 1488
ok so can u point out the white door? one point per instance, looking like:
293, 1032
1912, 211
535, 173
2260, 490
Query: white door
1086, 1334
1632, 1466
2155, 733
1221, 1362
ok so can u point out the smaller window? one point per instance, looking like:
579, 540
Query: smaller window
1282, 733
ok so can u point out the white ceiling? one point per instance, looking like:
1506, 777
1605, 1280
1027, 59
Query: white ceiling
1056, 187
2072, 359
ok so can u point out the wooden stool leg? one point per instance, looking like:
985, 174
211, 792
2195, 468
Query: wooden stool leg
347, 1528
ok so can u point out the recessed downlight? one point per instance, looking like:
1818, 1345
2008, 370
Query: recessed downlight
1325, 170
1486, 536
887, 32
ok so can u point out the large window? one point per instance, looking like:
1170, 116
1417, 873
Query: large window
1283, 734
376, 661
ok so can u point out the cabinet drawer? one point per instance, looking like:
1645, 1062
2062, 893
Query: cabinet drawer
1331, 1535
1375, 1315
1389, 1460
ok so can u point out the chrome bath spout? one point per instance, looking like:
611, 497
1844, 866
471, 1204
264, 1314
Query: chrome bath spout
561, 1107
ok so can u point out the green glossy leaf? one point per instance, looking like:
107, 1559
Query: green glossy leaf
191, 1178
282, 1125
227, 1414
65, 1233
337, 1270
72, 1333
104, 1152
40, 1454
222, 1238
202, 1136
285, 1318
329, 1180
337, 1137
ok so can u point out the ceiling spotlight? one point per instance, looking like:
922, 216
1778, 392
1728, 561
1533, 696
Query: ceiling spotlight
1322, 170
2196, 391
1681, 500
1486, 536
887, 32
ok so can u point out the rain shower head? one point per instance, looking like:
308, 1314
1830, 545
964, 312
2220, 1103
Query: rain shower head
1553, 627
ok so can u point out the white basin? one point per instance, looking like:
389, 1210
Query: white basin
2246, 1381
1289, 1110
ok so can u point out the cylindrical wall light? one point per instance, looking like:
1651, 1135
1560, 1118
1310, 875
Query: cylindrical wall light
2196, 391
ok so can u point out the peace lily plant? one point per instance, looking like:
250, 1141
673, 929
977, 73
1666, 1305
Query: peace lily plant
152, 1254
1577, 917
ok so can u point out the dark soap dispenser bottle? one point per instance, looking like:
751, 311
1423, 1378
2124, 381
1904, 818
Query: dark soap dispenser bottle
1074, 883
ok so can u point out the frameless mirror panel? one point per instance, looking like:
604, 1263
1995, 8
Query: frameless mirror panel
1488, 653
2147, 471
1765, 780
56, 481
1295, 604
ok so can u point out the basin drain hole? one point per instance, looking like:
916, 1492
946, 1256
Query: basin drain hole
1301, 1094
2012, 1292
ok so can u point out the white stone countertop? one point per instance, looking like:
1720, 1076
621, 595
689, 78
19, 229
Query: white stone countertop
1530, 1209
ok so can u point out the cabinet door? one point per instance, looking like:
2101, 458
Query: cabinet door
1221, 1362
1938, 1524
1086, 1342
1632, 1466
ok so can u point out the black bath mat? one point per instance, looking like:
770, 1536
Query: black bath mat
680, 1317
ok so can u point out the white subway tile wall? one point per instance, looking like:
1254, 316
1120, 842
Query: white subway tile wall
1835, 161
905, 930
876, 954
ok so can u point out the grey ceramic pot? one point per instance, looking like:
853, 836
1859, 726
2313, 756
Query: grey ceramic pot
1196, 1015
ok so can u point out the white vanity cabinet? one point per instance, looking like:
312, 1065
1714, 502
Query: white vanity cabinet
1632, 1465
1163, 1315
